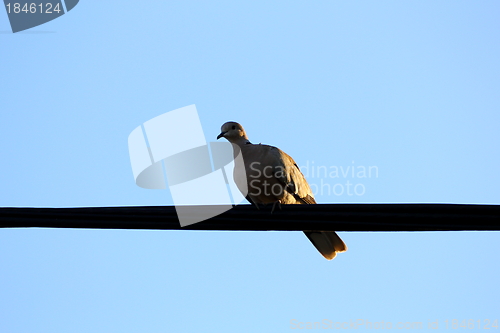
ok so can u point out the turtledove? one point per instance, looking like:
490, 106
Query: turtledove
272, 176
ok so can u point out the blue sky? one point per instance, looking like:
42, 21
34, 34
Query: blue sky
409, 87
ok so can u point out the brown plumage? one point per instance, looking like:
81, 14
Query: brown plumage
272, 176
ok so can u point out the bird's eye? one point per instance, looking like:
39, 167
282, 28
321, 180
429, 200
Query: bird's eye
234, 127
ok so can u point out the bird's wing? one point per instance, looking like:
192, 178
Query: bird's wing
292, 178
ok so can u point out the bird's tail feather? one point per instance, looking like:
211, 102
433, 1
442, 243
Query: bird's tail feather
328, 243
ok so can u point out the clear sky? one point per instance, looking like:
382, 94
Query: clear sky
409, 87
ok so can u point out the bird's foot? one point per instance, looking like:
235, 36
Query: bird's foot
274, 205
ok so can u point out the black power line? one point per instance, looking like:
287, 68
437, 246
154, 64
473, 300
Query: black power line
338, 217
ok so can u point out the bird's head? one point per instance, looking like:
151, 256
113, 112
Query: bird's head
233, 132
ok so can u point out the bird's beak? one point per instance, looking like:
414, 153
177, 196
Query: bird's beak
221, 135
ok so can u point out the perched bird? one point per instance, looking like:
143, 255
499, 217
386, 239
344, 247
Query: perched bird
272, 176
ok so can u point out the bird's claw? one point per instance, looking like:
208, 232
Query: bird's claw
274, 205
